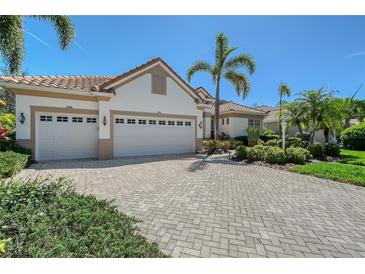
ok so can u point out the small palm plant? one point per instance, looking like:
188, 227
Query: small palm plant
225, 68
12, 36
284, 90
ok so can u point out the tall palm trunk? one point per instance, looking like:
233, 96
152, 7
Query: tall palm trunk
281, 99
216, 111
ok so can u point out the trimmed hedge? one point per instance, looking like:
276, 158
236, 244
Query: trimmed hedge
354, 137
241, 153
317, 150
297, 155
256, 153
332, 150
274, 155
12, 162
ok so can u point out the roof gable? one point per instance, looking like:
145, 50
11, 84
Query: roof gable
155, 66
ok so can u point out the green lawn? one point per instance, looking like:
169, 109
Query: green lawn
353, 157
345, 173
40, 219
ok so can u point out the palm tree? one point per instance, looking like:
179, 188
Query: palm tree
12, 37
284, 90
315, 104
225, 68
295, 116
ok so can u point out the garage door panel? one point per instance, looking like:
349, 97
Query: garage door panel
59, 138
152, 139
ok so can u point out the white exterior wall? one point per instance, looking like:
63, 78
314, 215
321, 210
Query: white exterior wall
137, 96
238, 126
23, 103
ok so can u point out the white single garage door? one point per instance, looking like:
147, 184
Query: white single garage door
66, 136
134, 136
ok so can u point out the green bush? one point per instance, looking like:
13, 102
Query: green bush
332, 150
354, 137
242, 139
47, 218
253, 135
256, 153
210, 146
274, 155
269, 135
12, 162
235, 143
224, 145
294, 142
241, 153
273, 143
297, 155
317, 150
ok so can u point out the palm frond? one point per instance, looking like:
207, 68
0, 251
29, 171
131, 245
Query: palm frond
12, 41
63, 26
241, 61
239, 81
202, 66
221, 46
284, 90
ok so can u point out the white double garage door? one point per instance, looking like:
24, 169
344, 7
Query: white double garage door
75, 136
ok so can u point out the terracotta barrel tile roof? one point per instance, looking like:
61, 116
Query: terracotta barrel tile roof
234, 107
66, 82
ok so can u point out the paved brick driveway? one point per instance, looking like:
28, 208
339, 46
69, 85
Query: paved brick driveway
224, 208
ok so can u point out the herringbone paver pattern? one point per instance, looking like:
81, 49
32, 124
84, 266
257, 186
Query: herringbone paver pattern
226, 209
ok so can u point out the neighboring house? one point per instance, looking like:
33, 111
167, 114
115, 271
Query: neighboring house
272, 122
145, 111
235, 119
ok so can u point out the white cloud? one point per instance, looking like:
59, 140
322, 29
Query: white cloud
355, 54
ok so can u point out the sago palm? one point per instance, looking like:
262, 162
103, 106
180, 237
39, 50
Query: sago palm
284, 90
12, 37
225, 67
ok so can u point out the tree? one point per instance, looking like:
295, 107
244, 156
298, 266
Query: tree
284, 90
295, 116
12, 37
315, 103
225, 68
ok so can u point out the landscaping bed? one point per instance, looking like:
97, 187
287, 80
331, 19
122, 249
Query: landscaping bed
47, 218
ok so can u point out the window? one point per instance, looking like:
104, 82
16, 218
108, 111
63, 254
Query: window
222, 121
171, 123
227, 121
158, 84
254, 123
131, 121
77, 119
162, 123
90, 120
142, 122
187, 123
62, 119
119, 121
250, 122
152, 122
44, 118
179, 123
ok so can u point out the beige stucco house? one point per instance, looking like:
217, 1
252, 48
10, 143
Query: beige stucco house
145, 111
236, 118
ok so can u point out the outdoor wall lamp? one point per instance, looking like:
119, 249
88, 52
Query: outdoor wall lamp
22, 118
104, 121
201, 124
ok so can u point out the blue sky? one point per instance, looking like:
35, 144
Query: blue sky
305, 52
